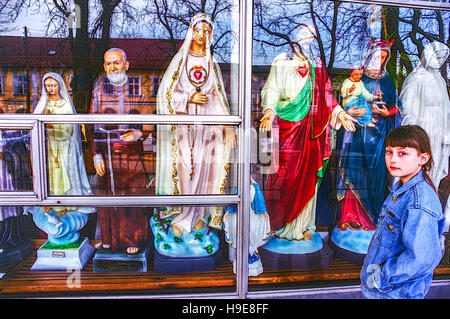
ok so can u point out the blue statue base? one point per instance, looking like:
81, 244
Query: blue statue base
168, 265
67, 257
201, 243
282, 254
15, 255
106, 260
351, 245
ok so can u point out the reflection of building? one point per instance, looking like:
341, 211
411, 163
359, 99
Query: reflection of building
22, 68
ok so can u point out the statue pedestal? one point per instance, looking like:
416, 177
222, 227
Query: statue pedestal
106, 260
281, 254
351, 245
192, 252
73, 256
12, 256
168, 265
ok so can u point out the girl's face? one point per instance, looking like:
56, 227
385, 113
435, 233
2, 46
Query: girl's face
404, 162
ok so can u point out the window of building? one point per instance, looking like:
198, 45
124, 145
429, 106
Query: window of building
108, 87
20, 84
156, 80
134, 85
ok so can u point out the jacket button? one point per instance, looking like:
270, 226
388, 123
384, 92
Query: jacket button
394, 198
391, 226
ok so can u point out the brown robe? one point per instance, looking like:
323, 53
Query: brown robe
121, 227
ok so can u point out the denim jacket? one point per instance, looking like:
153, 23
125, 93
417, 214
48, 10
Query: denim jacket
405, 248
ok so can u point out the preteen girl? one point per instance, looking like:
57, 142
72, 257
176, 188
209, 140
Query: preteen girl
405, 248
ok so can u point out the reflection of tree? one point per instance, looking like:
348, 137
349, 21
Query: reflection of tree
87, 26
342, 33
412, 30
340, 27
170, 19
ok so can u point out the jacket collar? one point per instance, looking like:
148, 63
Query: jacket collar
398, 189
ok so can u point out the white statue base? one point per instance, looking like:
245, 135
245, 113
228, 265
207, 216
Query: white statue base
63, 257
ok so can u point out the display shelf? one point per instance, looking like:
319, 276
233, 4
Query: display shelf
20, 281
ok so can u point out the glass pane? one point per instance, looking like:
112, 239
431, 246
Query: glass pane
45, 41
15, 166
135, 159
315, 63
136, 245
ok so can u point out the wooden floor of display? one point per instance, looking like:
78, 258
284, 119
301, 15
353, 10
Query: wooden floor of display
20, 281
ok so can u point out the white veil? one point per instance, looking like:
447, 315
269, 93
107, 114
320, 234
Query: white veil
426, 103
73, 160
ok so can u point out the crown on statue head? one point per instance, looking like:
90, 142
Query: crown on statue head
200, 17
381, 43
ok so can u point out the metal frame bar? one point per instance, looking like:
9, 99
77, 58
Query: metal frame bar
132, 201
120, 119
244, 102
35, 195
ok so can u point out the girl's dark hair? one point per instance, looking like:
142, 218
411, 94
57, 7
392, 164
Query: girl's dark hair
415, 137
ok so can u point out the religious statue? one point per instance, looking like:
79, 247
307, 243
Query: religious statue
118, 161
356, 96
259, 229
362, 176
298, 97
191, 159
66, 171
426, 103
14, 176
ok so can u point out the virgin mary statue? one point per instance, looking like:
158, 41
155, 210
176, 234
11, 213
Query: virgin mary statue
65, 165
426, 103
192, 159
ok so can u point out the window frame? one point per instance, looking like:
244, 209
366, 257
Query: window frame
242, 121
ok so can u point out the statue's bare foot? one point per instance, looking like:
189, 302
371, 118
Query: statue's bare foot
100, 244
47, 209
307, 235
62, 213
177, 230
132, 250
199, 225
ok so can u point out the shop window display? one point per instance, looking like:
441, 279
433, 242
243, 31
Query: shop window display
329, 80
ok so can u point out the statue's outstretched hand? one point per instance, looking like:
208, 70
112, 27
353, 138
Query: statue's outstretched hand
266, 121
383, 111
99, 165
230, 137
131, 135
347, 121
